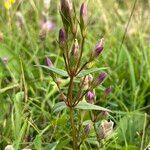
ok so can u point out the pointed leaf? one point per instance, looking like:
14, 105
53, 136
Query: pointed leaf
93, 70
88, 106
59, 107
55, 70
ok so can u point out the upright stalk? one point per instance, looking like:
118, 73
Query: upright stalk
69, 97
73, 128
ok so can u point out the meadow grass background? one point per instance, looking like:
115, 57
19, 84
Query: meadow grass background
28, 94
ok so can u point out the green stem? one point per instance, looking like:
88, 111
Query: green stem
73, 128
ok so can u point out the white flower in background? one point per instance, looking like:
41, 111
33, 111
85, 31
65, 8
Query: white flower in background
20, 22
47, 4
9, 147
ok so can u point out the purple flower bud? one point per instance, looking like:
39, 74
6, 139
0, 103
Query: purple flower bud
87, 129
99, 47
48, 62
62, 36
66, 10
99, 79
83, 14
108, 91
90, 96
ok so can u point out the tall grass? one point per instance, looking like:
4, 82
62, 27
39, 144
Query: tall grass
28, 94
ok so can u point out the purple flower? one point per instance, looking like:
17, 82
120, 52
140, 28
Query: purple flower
48, 62
90, 96
62, 36
99, 47
48, 25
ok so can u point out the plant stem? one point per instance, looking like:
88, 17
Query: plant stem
73, 128
69, 99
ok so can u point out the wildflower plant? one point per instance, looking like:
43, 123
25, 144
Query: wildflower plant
71, 41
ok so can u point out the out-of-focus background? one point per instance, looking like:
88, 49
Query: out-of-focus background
29, 33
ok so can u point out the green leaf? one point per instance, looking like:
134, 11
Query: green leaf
93, 70
55, 70
38, 143
88, 106
51, 146
59, 107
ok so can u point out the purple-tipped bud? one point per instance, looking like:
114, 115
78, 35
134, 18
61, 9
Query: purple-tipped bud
62, 37
66, 10
90, 96
83, 15
99, 79
48, 62
108, 91
87, 129
99, 47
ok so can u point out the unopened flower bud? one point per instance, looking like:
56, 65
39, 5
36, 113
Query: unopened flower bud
99, 48
66, 10
48, 62
99, 79
83, 15
75, 49
105, 129
62, 37
87, 129
90, 96
108, 91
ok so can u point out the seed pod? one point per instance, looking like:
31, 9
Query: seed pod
90, 96
74, 56
75, 49
105, 129
83, 15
